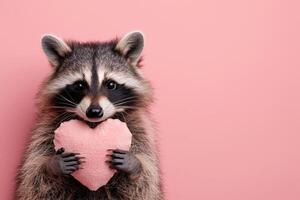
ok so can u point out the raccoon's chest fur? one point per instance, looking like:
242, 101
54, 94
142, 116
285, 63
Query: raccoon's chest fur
44, 186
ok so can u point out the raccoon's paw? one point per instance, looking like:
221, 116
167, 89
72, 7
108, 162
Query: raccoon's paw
64, 163
124, 161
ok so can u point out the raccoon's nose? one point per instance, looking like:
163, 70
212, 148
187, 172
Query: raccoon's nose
94, 112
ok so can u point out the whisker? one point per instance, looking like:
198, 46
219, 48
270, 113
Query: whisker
128, 107
67, 117
81, 110
68, 100
66, 104
69, 95
128, 98
124, 102
63, 107
60, 115
123, 117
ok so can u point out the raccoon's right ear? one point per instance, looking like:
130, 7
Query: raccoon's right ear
55, 49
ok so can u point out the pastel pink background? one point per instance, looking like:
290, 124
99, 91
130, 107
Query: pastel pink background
226, 76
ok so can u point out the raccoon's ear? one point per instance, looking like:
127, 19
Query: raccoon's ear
55, 49
131, 46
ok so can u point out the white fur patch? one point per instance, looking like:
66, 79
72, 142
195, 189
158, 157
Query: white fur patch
101, 75
130, 82
82, 107
107, 107
62, 81
88, 75
121, 78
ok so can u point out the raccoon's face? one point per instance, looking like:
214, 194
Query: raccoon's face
95, 81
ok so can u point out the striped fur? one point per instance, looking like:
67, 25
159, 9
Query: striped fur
34, 182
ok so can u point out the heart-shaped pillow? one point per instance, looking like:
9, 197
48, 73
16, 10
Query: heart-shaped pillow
75, 136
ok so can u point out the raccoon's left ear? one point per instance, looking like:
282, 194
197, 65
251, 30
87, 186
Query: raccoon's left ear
131, 46
55, 49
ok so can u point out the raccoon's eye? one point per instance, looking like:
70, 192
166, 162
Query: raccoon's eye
111, 85
79, 86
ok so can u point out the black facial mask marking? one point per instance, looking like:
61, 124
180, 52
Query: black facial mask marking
119, 94
71, 95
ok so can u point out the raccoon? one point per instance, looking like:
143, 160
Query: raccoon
92, 82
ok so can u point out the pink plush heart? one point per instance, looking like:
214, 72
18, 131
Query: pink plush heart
75, 136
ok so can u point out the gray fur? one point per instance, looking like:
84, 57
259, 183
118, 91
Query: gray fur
55, 49
131, 46
34, 182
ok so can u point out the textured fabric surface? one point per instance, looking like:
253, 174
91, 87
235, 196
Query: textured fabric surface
75, 136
